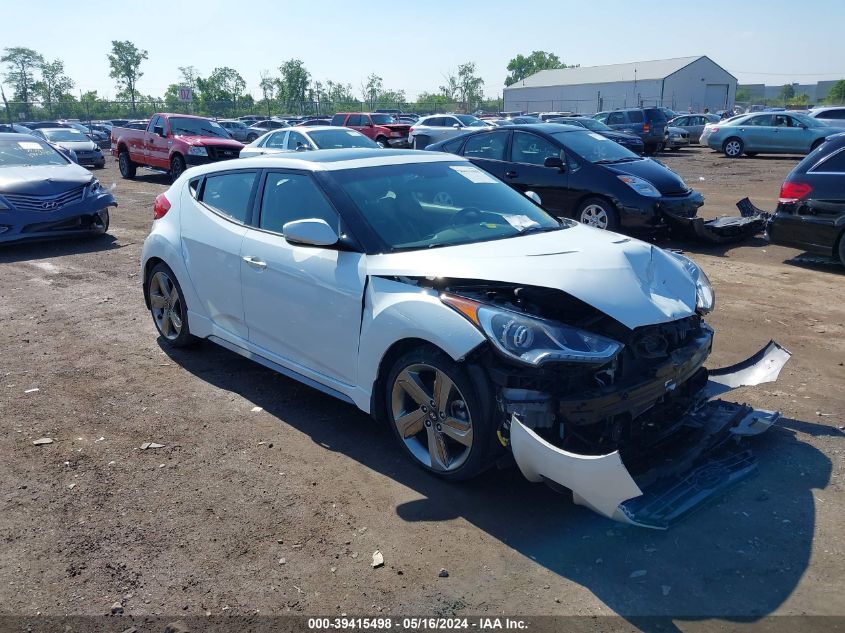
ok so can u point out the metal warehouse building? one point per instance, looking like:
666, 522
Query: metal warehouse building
680, 83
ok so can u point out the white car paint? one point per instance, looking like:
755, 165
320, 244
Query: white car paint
284, 141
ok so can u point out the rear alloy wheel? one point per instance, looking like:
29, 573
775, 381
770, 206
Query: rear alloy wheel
733, 147
127, 167
167, 306
435, 413
251, 137
177, 167
382, 142
598, 213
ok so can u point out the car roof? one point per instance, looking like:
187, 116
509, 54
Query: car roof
17, 136
333, 160
57, 129
548, 128
317, 128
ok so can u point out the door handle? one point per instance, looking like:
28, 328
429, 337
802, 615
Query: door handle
511, 174
255, 262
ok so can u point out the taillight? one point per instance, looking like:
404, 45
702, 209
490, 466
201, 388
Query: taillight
646, 128
162, 206
714, 129
792, 192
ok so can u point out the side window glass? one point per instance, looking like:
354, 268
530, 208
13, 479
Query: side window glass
532, 149
229, 194
490, 146
615, 118
835, 163
636, 116
289, 197
295, 139
276, 140
354, 120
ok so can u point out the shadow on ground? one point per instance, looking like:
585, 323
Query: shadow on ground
46, 249
739, 557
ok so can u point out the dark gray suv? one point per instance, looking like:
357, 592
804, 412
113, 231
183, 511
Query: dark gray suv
647, 123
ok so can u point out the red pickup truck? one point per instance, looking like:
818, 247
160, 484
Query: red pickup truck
379, 127
172, 143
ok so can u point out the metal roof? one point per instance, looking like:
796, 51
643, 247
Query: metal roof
654, 69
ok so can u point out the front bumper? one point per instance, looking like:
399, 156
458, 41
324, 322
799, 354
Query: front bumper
98, 160
396, 142
649, 213
677, 141
86, 217
723, 229
707, 456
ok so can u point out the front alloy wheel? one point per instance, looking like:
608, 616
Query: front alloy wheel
733, 148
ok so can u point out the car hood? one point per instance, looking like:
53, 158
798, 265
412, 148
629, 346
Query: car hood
666, 181
43, 180
202, 141
77, 146
631, 281
625, 136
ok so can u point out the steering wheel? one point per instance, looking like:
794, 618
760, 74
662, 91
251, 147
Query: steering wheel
467, 215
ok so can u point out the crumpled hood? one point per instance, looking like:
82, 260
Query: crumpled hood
43, 180
202, 141
77, 146
635, 283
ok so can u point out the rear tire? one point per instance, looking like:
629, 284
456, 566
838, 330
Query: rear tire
458, 427
168, 308
127, 167
598, 213
842, 248
177, 167
733, 147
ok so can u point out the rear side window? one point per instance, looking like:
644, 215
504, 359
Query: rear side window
615, 118
453, 145
833, 114
636, 116
835, 163
229, 194
434, 122
490, 145
354, 120
288, 197
338, 119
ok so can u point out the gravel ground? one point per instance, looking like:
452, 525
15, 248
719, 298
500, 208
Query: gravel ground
279, 509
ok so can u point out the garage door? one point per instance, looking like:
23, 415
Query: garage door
716, 96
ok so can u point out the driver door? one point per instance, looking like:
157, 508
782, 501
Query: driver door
302, 304
526, 172
488, 151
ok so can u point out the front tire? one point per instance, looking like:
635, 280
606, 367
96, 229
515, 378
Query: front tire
250, 138
177, 167
438, 416
733, 147
168, 308
598, 213
382, 142
842, 248
127, 167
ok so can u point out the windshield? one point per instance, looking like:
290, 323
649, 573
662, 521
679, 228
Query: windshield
479, 123
34, 152
466, 119
426, 205
196, 127
68, 135
594, 147
382, 119
336, 139
590, 124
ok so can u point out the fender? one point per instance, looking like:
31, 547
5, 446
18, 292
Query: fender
394, 311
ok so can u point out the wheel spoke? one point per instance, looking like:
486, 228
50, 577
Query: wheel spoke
165, 324
157, 301
176, 320
442, 388
458, 430
411, 423
174, 295
411, 383
437, 450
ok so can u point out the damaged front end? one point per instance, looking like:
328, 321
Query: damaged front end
637, 436
721, 230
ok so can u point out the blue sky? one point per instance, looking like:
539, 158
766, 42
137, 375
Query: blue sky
411, 45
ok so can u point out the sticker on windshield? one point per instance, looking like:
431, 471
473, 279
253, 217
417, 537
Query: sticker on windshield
520, 222
29, 145
473, 175
353, 133
598, 137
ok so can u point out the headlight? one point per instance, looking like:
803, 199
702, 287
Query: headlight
198, 151
705, 297
94, 188
532, 340
641, 186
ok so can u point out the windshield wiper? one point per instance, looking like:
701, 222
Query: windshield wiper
610, 161
540, 229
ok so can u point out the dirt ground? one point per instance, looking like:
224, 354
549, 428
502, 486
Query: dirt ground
280, 509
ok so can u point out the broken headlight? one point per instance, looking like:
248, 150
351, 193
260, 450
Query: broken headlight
532, 340
705, 297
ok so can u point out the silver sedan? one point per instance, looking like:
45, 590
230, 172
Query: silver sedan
694, 124
302, 139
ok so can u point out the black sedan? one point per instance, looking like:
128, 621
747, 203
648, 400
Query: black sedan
625, 139
811, 206
45, 195
580, 174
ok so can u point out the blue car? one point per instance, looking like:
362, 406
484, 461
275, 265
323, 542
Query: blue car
43, 194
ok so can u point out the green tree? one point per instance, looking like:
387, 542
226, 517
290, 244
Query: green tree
21, 64
521, 66
223, 85
837, 92
801, 99
787, 92
470, 86
743, 94
292, 85
371, 89
54, 84
450, 89
125, 61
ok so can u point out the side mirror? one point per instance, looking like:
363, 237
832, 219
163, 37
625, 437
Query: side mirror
457, 126
531, 195
302, 148
310, 232
554, 162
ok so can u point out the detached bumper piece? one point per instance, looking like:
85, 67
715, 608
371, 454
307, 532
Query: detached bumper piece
708, 455
721, 230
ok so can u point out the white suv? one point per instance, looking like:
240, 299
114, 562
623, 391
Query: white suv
438, 127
